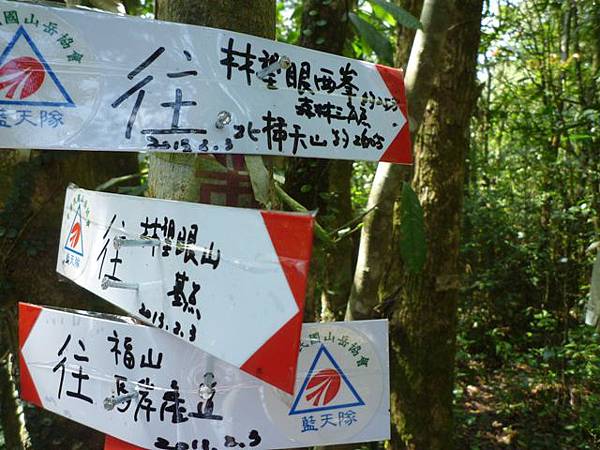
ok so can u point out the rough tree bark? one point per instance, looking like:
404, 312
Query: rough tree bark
176, 176
423, 321
325, 27
405, 36
375, 238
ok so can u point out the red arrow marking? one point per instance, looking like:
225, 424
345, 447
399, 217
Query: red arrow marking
24, 71
292, 241
325, 385
111, 443
28, 315
400, 150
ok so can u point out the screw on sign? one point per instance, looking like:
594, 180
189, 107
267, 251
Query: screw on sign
26, 73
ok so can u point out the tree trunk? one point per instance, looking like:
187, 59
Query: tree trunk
405, 36
375, 238
186, 177
324, 185
423, 325
12, 418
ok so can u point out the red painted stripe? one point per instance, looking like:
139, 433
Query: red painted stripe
400, 149
292, 238
275, 362
28, 315
112, 443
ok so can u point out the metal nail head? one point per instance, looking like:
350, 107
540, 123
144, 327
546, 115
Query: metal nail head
223, 118
122, 241
112, 401
110, 283
284, 63
207, 388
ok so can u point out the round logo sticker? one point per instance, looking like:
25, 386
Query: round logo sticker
47, 90
77, 219
339, 384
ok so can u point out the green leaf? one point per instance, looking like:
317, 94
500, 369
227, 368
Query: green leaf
260, 178
374, 38
117, 180
580, 137
401, 15
413, 247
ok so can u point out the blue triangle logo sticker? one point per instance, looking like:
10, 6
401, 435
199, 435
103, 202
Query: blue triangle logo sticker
22, 76
74, 242
325, 388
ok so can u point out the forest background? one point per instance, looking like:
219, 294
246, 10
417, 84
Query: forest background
479, 255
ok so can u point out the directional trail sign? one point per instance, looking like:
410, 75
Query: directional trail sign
150, 390
68, 82
230, 281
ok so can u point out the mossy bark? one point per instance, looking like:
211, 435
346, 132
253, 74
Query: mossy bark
423, 320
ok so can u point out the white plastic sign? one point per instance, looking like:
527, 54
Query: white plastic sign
230, 281
77, 79
151, 390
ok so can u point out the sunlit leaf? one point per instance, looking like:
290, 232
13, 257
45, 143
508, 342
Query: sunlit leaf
402, 16
374, 38
413, 247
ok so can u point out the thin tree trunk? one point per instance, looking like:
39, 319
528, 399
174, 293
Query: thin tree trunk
12, 418
423, 323
405, 36
375, 238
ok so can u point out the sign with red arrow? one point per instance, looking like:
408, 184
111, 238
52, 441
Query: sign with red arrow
229, 281
182, 88
150, 390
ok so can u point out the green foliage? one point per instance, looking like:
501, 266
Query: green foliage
402, 16
540, 392
373, 38
289, 14
363, 173
144, 8
413, 247
528, 368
